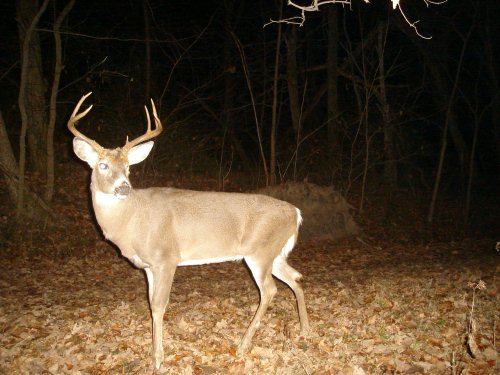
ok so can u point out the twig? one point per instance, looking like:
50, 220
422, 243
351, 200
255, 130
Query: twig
471, 326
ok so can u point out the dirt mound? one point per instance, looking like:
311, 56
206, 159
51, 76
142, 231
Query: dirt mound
325, 212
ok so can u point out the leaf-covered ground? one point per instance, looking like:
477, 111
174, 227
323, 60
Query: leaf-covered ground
377, 306
390, 310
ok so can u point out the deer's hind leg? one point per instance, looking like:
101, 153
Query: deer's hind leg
262, 274
283, 271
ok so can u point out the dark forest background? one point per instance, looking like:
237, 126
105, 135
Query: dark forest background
355, 98
399, 116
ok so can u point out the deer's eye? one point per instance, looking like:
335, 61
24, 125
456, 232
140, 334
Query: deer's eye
103, 166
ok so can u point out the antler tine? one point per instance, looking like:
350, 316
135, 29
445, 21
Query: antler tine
75, 117
150, 133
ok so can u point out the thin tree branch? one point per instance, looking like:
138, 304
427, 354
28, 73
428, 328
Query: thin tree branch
249, 85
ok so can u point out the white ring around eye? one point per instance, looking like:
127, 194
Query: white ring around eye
103, 166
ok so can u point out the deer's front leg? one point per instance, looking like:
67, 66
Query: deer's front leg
160, 280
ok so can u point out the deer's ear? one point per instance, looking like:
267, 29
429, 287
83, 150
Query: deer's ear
139, 152
85, 151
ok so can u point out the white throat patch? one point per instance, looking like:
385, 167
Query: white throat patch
103, 199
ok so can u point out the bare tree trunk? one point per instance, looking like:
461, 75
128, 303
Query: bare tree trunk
49, 191
28, 74
444, 144
367, 153
442, 98
33, 206
274, 118
490, 29
147, 57
229, 85
365, 116
227, 112
390, 168
333, 133
478, 109
471, 171
296, 107
8, 164
292, 77
438, 72
34, 87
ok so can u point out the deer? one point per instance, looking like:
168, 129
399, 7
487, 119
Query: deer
160, 228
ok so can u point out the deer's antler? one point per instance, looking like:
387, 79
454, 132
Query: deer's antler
150, 133
75, 117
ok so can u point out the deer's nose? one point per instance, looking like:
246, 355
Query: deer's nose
123, 190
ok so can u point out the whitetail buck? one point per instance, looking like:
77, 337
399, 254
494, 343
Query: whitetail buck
158, 229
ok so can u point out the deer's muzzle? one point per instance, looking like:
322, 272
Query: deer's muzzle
123, 190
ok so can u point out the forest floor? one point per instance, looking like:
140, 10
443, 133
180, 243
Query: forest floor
393, 301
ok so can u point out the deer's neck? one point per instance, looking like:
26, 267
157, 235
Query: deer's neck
111, 212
